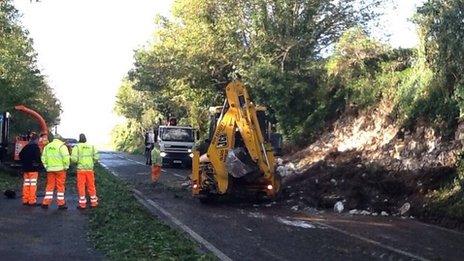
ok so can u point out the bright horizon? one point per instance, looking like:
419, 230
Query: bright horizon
85, 48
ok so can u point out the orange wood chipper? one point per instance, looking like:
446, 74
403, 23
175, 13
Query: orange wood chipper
20, 141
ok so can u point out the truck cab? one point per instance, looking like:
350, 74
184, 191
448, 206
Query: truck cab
176, 144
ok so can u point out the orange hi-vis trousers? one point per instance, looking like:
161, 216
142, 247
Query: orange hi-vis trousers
86, 178
55, 179
30, 187
155, 173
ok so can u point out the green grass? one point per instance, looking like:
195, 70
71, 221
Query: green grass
124, 230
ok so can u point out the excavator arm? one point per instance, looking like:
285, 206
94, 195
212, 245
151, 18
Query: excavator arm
238, 114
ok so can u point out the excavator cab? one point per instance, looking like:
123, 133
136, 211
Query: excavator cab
239, 158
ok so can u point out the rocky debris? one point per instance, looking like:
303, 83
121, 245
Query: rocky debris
338, 207
372, 165
365, 213
405, 208
286, 170
311, 211
381, 142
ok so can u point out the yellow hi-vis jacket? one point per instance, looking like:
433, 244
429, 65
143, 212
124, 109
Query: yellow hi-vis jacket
84, 155
55, 156
156, 157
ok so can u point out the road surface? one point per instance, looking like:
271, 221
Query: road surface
268, 231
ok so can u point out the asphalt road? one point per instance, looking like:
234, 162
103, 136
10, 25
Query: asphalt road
268, 231
32, 233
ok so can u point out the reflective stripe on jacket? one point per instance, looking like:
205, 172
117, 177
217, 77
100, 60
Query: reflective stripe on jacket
55, 156
84, 155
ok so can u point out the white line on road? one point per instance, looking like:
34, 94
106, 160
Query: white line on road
138, 162
184, 227
365, 239
108, 169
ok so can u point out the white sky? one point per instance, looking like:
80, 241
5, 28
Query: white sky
85, 48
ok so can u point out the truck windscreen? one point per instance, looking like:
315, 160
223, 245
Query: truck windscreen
173, 134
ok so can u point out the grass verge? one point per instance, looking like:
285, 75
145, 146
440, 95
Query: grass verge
9, 181
123, 229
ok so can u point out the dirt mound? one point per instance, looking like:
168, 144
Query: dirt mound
369, 163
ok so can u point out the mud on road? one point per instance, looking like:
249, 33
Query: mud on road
272, 231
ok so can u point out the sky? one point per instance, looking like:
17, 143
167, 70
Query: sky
85, 48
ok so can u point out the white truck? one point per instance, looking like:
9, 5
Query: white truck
177, 144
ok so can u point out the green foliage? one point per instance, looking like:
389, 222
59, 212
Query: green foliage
21, 82
124, 230
274, 46
441, 23
448, 202
370, 72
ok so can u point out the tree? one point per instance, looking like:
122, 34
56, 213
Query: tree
275, 46
21, 82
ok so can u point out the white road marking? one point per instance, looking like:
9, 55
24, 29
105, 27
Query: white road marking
108, 169
365, 239
137, 162
219, 254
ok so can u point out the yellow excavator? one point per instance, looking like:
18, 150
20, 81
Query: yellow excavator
239, 158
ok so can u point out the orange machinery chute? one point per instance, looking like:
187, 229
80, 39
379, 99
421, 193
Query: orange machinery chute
19, 145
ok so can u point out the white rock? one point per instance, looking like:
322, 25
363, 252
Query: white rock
333, 181
384, 214
281, 171
405, 208
375, 214
295, 208
290, 166
365, 213
354, 212
280, 161
338, 207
